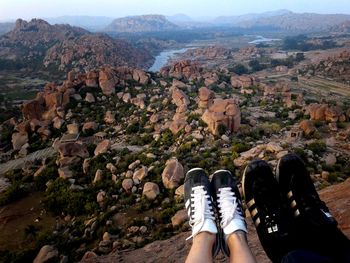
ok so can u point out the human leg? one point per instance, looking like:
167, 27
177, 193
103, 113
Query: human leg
229, 206
239, 248
200, 209
202, 247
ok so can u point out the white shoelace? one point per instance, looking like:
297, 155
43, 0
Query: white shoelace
227, 203
201, 208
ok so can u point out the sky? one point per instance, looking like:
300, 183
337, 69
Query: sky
26, 9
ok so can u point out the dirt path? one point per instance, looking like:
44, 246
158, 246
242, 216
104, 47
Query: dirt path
19, 163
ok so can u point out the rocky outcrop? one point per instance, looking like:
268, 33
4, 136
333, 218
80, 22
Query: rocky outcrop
182, 69
307, 127
242, 81
323, 112
107, 80
206, 98
223, 112
173, 174
144, 23
63, 47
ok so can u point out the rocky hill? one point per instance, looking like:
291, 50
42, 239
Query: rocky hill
342, 28
121, 141
145, 23
39, 45
296, 22
336, 67
6, 27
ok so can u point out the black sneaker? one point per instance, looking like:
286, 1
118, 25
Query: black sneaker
263, 200
297, 187
199, 205
229, 206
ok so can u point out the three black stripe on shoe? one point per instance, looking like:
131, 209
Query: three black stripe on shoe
253, 212
293, 204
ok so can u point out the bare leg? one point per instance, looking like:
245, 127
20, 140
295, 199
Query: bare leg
239, 249
202, 247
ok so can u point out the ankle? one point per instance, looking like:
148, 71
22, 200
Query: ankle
237, 237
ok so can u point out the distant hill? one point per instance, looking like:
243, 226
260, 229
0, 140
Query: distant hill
145, 23
37, 45
234, 20
342, 28
6, 27
294, 21
92, 23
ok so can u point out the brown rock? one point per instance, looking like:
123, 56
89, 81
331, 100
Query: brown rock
46, 254
90, 126
73, 149
308, 127
177, 125
172, 174
225, 112
73, 128
127, 184
65, 173
150, 190
179, 218
102, 147
89, 98
109, 117
18, 140
92, 79
206, 98
179, 97
108, 81
141, 173
140, 76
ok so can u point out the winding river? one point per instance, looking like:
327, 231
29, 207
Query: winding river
163, 58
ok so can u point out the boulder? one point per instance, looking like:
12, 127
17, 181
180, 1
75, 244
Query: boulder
101, 196
73, 128
127, 184
206, 98
73, 149
98, 176
141, 173
179, 97
92, 79
179, 218
150, 190
173, 173
91, 125
19, 139
223, 112
308, 127
89, 98
108, 81
109, 117
177, 125
65, 173
102, 147
140, 76
57, 123
46, 253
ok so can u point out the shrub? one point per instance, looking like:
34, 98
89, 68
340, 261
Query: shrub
15, 192
317, 147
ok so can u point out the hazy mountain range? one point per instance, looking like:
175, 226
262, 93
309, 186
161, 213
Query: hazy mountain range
279, 19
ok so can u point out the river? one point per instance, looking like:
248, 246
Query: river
164, 56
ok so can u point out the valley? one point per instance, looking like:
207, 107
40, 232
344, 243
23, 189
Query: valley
98, 129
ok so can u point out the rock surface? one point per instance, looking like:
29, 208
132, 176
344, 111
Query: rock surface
176, 248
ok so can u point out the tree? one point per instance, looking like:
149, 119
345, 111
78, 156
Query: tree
240, 69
